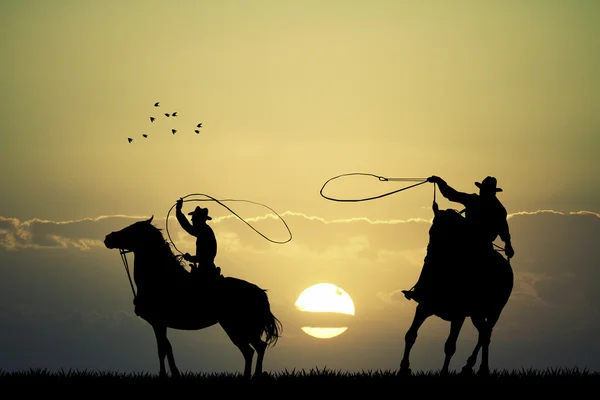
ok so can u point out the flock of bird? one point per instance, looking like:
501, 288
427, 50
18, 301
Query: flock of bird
168, 115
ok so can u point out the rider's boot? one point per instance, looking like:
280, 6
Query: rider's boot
413, 294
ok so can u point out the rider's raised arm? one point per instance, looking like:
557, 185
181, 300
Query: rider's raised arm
185, 224
453, 194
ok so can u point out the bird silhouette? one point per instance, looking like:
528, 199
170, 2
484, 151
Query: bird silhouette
199, 125
144, 135
174, 114
197, 131
130, 140
152, 119
173, 130
156, 104
167, 114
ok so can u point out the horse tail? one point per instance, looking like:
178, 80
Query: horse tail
250, 305
271, 327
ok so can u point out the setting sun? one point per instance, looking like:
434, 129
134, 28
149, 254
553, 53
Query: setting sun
325, 298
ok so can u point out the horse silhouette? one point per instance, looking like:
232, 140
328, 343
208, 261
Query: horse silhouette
462, 285
171, 297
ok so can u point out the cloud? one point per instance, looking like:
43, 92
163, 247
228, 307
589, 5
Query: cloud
39, 234
59, 279
88, 232
344, 220
538, 212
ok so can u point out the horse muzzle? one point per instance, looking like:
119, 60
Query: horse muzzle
109, 241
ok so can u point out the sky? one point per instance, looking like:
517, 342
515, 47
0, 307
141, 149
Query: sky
291, 94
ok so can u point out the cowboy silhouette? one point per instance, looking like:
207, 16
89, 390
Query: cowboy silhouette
486, 219
206, 242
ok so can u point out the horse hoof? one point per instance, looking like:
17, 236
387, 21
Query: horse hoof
263, 376
483, 372
404, 373
466, 371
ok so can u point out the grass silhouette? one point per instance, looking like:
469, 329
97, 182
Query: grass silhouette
322, 377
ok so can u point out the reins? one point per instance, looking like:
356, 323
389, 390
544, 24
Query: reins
124, 258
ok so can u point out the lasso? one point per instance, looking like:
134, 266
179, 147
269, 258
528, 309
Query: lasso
384, 179
210, 198
381, 179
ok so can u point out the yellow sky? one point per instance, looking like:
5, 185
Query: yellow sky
291, 94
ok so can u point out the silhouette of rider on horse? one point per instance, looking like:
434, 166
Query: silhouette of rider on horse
203, 265
486, 219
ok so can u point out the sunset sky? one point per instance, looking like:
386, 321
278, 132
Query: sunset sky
291, 94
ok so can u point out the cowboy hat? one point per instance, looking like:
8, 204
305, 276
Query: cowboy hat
489, 183
200, 212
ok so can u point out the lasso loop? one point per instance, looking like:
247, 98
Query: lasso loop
233, 212
384, 179
381, 179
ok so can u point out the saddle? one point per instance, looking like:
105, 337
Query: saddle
203, 284
205, 275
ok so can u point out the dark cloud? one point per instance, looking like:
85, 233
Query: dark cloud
61, 289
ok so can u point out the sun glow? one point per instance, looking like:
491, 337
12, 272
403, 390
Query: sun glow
324, 333
325, 298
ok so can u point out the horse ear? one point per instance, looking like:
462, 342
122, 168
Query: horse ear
150, 220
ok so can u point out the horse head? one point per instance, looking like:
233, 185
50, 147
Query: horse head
447, 229
129, 238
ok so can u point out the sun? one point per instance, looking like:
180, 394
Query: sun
325, 298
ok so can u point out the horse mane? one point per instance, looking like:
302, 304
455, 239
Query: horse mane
447, 231
163, 247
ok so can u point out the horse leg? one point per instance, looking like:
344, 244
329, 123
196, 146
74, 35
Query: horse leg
450, 345
260, 348
484, 368
241, 342
172, 366
421, 314
479, 323
248, 354
165, 349
468, 368
161, 333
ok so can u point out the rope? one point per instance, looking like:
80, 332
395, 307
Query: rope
384, 179
124, 258
233, 212
381, 179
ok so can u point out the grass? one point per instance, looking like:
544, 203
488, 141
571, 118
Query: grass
297, 379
